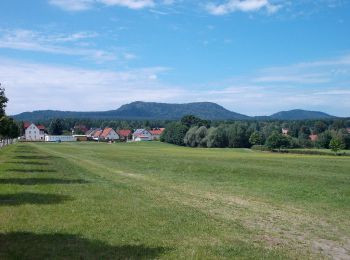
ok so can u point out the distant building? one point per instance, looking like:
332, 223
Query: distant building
313, 137
34, 132
60, 138
109, 134
156, 133
124, 134
96, 135
80, 129
285, 131
90, 133
348, 130
142, 135
80, 138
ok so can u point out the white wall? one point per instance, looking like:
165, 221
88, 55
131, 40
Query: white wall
32, 133
62, 138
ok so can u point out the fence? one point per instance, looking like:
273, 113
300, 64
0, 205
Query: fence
6, 142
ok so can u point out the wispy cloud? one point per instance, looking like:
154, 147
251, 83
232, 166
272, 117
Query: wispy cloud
33, 86
72, 5
230, 6
82, 5
57, 43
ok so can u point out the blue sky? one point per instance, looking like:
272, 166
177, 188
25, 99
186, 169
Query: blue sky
254, 57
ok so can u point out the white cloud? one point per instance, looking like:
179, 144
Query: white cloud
241, 5
63, 44
72, 5
82, 5
33, 86
132, 4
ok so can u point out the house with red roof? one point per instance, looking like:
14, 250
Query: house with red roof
96, 135
109, 134
156, 133
141, 135
34, 132
124, 134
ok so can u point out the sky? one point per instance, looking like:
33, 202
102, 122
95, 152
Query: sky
254, 57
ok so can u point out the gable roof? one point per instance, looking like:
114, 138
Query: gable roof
106, 132
124, 132
28, 124
157, 131
139, 132
97, 133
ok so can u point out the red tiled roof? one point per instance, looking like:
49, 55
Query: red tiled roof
106, 131
97, 133
124, 132
26, 124
157, 131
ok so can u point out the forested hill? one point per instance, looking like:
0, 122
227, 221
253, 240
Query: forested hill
143, 111
163, 111
298, 114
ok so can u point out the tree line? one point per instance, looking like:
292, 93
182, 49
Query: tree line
194, 132
9, 129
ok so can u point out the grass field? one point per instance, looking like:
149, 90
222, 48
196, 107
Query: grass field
153, 200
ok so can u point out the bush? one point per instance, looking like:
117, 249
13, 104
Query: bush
278, 141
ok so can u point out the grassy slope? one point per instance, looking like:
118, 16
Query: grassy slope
154, 200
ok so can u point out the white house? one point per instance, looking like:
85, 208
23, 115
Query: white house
33, 132
109, 134
142, 135
156, 133
60, 138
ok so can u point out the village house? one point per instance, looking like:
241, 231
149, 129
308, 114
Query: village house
90, 133
141, 135
313, 137
34, 132
109, 134
124, 134
80, 129
156, 133
348, 130
285, 131
96, 135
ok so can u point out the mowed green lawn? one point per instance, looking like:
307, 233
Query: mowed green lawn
153, 200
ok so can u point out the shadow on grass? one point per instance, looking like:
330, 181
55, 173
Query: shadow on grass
35, 181
24, 245
31, 198
28, 163
30, 170
35, 157
24, 151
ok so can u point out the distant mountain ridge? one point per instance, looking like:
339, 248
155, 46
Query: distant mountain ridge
163, 111
299, 114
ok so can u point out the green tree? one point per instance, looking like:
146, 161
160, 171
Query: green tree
174, 133
336, 145
324, 139
278, 141
3, 101
191, 120
190, 137
56, 127
256, 138
201, 135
